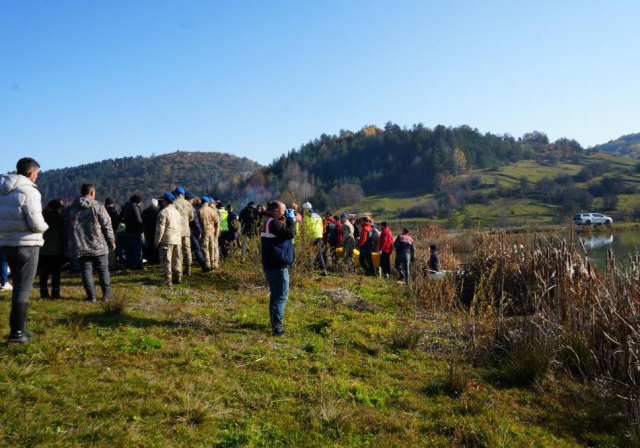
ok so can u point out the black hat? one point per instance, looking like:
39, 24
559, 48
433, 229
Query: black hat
136, 199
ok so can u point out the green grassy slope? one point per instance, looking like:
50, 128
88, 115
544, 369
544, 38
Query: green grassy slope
195, 366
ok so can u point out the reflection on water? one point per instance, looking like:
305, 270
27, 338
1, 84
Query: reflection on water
596, 241
623, 244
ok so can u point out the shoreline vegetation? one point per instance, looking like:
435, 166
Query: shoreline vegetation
532, 346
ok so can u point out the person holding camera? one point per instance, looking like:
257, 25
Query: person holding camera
277, 233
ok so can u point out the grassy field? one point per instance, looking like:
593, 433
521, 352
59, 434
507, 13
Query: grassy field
364, 363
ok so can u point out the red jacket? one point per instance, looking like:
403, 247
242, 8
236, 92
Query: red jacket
364, 232
386, 241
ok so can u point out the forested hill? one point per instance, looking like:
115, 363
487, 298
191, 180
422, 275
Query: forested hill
335, 170
627, 145
201, 172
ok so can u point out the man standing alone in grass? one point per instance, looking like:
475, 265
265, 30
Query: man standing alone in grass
169, 240
277, 233
21, 227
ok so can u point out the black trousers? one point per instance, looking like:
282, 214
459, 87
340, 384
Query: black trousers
385, 263
50, 265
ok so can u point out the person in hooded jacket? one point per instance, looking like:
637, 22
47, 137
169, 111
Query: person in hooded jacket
21, 227
89, 239
52, 252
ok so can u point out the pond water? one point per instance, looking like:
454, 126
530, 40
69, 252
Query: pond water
624, 244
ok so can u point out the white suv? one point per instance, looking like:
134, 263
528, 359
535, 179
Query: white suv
591, 218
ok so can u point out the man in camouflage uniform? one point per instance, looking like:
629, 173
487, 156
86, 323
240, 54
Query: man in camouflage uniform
186, 211
169, 240
348, 242
210, 221
89, 238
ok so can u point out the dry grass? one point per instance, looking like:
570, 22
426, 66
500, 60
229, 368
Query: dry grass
542, 303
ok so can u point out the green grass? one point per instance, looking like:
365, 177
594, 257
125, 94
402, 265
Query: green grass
196, 366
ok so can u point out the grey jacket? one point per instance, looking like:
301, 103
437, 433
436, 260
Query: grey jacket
88, 229
21, 221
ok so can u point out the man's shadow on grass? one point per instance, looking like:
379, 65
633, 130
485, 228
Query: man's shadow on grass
106, 320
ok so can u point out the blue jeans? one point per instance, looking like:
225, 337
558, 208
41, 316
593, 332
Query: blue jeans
4, 272
279, 287
101, 263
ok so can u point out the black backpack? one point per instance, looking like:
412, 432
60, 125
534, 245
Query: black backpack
333, 235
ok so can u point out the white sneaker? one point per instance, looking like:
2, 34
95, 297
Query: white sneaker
6, 287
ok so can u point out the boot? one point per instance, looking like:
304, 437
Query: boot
107, 293
91, 296
55, 293
18, 323
177, 279
187, 271
44, 293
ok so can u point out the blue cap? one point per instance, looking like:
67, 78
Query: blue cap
205, 199
189, 196
180, 190
169, 197
344, 215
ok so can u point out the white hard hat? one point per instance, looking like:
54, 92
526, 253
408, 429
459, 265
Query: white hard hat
307, 205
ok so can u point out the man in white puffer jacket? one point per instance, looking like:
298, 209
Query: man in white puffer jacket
21, 227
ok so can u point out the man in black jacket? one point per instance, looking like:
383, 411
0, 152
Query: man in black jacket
248, 220
131, 215
112, 210
149, 218
277, 233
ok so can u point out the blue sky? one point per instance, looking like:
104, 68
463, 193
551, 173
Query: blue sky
82, 81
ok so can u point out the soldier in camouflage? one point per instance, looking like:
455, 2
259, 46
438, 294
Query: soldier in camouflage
186, 211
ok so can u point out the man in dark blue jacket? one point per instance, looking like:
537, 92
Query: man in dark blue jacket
277, 233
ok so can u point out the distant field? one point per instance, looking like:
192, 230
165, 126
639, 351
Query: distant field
504, 211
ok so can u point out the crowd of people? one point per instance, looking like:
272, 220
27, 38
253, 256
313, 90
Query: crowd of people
173, 231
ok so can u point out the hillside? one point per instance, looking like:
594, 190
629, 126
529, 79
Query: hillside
524, 193
457, 177
627, 145
202, 172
